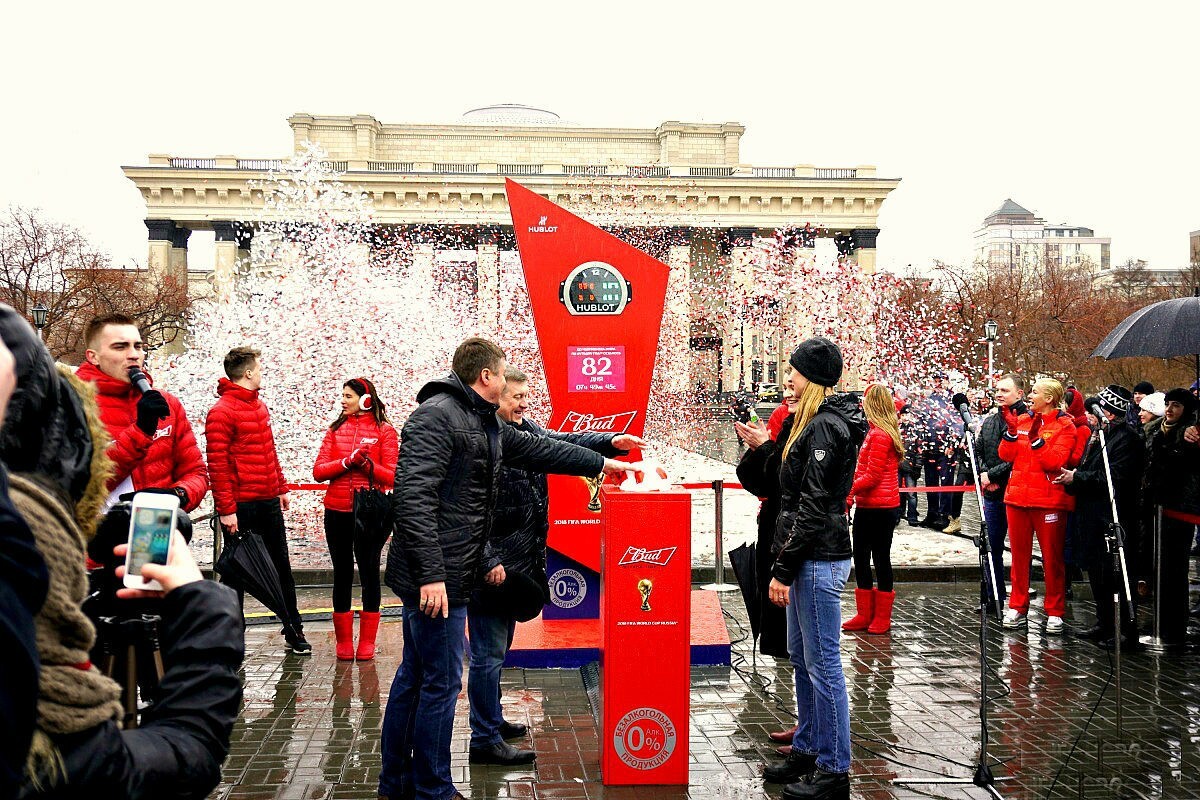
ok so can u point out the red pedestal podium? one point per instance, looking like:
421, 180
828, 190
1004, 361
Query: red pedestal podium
645, 615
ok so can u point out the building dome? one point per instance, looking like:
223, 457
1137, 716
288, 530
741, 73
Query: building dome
510, 114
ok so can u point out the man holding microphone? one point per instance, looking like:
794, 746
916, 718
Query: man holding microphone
153, 446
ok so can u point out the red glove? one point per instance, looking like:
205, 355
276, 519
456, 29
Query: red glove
1035, 428
358, 457
1010, 419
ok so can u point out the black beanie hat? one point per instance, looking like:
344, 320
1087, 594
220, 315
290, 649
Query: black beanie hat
1143, 387
1115, 399
819, 360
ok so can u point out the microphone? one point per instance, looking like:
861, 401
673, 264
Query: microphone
1093, 408
138, 379
963, 406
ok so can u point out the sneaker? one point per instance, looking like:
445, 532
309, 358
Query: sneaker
1054, 625
955, 526
1014, 618
298, 644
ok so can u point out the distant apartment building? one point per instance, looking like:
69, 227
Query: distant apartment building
1013, 236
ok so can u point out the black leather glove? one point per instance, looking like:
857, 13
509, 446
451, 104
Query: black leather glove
181, 493
150, 409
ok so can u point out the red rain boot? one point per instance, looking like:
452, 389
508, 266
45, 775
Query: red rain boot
368, 626
343, 632
865, 600
882, 623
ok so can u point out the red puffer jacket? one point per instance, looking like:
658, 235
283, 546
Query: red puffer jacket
876, 478
1082, 431
242, 464
357, 431
1036, 463
168, 459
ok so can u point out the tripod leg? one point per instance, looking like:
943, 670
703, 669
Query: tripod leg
131, 688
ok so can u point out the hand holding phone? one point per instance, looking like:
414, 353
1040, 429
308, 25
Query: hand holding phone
151, 533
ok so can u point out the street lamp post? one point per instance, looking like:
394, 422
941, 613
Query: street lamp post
991, 331
40, 315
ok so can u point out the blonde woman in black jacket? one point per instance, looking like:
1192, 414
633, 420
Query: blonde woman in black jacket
812, 537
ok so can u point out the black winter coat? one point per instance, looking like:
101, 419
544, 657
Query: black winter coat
184, 736
987, 453
1090, 487
815, 479
759, 473
1173, 468
451, 451
520, 522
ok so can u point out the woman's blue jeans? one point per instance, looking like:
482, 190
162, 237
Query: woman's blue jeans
814, 625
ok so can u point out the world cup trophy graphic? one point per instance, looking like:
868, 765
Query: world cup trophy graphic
594, 485
645, 587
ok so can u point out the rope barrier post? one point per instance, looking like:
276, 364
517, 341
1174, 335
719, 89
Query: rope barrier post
718, 487
1154, 642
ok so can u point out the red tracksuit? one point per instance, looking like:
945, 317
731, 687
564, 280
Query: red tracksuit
1038, 506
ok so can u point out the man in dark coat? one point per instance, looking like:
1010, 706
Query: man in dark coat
451, 451
994, 472
515, 561
1093, 511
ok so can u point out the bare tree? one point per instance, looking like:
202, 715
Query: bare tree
49, 262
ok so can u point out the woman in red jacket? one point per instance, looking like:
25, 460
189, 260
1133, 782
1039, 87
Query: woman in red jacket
1038, 446
359, 452
876, 493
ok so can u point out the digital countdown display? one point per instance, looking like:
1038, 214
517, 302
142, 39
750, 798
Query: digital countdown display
596, 368
595, 287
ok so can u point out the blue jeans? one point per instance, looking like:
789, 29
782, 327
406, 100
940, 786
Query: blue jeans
491, 636
420, 708
908, 500
814, 626
996, 519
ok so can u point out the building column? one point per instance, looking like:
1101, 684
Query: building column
864, 248
226, 251
741, 280
674, 339
161, 233
487, 279
179, 253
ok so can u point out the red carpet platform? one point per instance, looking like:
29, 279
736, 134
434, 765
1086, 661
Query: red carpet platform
568, 644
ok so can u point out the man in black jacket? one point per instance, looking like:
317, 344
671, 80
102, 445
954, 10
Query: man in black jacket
514, 555
1088, 484
451, 451
994, 472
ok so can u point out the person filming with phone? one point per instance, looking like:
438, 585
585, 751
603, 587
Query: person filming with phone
53, 444
153, 446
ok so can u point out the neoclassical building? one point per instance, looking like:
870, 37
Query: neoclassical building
680, 190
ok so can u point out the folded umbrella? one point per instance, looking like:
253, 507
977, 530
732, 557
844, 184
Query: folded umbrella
245, 564
745, 571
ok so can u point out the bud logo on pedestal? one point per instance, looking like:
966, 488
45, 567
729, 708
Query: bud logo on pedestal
640, 555
575, 422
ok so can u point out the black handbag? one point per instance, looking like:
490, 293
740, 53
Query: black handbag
372, 511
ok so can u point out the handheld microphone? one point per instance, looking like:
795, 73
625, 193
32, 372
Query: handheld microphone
963, 406
1094, 409
138, 379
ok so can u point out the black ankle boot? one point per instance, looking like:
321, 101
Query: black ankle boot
819, 785
791, 769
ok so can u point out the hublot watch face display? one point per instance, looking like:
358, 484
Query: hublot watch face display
595, 287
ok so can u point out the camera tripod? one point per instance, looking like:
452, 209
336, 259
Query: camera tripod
131, 657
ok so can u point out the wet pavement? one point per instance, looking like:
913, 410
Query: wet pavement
310, 725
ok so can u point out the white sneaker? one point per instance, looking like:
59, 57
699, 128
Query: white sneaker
1054, 625
1014, 618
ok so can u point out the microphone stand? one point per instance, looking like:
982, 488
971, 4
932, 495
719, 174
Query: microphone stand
1114, 541
982, 777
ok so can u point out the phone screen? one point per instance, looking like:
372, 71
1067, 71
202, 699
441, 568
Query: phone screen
151, 538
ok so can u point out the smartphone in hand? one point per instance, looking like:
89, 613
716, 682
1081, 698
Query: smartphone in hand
151, 531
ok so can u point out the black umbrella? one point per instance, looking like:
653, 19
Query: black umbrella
745, 571
245, 564
1161, 330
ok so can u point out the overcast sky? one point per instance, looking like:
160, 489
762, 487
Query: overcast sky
1082, 112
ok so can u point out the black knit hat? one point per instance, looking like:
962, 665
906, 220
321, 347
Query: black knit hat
1143, 387
819, 360
1115, 399
1183, 397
